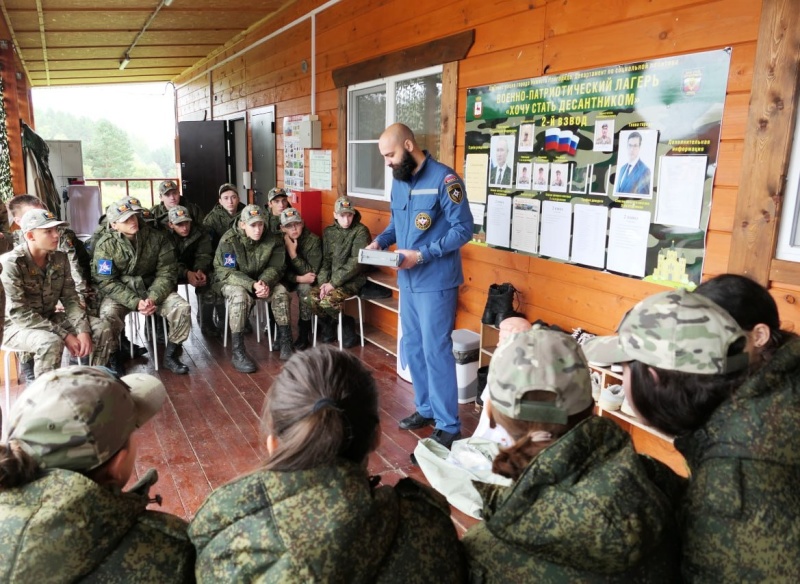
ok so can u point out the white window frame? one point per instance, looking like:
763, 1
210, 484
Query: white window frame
788, 247
389, 83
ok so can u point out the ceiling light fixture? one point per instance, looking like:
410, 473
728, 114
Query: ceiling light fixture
124, 62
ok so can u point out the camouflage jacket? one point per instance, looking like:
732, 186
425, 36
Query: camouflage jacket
64, 527
80, 260
308, 259
274, 221
218, 221
741, 514
586, 509
340, 248
242, 262
128, 273
326, 524
32, 293
161, 214
6, 235
192, 252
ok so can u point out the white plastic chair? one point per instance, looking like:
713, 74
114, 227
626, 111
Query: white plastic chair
260, 303
339, 329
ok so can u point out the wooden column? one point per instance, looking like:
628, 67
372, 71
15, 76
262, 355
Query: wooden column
768, 142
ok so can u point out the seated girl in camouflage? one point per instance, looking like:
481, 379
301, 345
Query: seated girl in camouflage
313, 513
134, 268
70, 452
36, 277
341, 276
584, 507
248, 265
304, 257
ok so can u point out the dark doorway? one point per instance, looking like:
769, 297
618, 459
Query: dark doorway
262, 124
207, 156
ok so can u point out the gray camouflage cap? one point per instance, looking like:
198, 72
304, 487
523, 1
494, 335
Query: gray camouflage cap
289, 216
134, 202
252, 214
276, 192
77, 418
179, 214
343, 205
167, 186
39, 219
539, 360
674, 330
120, 211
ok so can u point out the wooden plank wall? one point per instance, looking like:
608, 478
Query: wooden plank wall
513, 40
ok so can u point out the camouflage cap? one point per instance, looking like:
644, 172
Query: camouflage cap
228, 187
675, 330
276, 192
39, 219
539, 360
289, 216
179, 214
134, 202
77, 418
343, 205
252, 214
120, 211
167, 186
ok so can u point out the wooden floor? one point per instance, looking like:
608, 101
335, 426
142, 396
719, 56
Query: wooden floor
208, 430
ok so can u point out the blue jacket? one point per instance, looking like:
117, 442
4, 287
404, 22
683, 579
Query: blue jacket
430, 214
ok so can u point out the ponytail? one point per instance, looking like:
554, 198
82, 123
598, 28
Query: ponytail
17, 467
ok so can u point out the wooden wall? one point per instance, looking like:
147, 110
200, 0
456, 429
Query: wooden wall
514, 39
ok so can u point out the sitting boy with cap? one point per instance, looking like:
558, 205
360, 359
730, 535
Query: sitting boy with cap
170, 195
70, 451
277, 201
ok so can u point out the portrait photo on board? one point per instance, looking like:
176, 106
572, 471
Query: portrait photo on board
526, 137
635, 162
541, 176
603, 135
559, 175
524, 175
501, 163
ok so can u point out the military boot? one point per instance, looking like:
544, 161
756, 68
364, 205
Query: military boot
116, 362
171, 360
285, 343
125, 347
276, 342
327, 329
207, 326
26, 373
303, 335
239, 358
349, 336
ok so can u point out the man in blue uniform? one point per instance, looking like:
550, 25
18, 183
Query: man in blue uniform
430, 222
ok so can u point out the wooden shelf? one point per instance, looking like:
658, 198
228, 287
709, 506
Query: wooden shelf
392, 304
384, 279
373, 334
380, 339
490, 337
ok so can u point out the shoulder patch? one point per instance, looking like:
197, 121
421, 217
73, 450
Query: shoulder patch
104, 267
229, 260
455, 192
450, 178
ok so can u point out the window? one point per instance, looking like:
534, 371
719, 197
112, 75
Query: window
789, 228
415, 99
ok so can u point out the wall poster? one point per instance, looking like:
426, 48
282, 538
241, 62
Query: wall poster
609, 168
293, 155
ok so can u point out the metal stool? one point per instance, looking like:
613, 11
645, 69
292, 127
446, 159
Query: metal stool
339, 329
257, 310
133, 318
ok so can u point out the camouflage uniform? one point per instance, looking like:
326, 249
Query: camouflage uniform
586, 509
325, 524
32, 322
161, 213
340, 265
308, 259
239, 263
741, 515
6, 236
127, 272
192, 252
218, 221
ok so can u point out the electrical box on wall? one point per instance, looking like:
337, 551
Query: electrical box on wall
310, 133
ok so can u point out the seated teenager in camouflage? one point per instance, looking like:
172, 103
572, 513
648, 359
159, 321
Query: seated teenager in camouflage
277, 201
341, 276
70, 452
304, 257
225, 213
688, 373
134, 268
584, 507
170, 195
248, 265
312, 513
102, 226
195, 255
36, 277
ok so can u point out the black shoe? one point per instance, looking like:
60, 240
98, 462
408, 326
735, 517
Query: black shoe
350, 337
240, 359
372, 290
26, 371
303, 341
446, 439
171, 360
285, 333
125, 347
415, 421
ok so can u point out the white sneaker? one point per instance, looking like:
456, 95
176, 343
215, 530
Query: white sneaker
596, 380
611, 398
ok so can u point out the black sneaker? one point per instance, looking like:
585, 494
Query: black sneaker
415, 421
446, 439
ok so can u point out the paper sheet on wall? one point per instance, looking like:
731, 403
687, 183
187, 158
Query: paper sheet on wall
556, 225
525, 225
319, 169
498, 220
680, 190
589, 235
477, 211
475, 168
627, 241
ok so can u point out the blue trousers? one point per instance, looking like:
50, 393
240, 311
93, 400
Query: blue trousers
428, 319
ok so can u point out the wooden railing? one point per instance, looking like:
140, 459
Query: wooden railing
113, 189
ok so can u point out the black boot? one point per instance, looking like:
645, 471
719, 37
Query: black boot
26, 371
349, 336
276, 342
171, 360
303, 341
327, 329
116, 362
239, 359
207, 326
285, 335
499, 302
125, 347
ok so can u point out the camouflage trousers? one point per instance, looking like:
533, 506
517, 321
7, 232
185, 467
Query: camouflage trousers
175, 309
303, 290
240, 302
332, 303
47, 348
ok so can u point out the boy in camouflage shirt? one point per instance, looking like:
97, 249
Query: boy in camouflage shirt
341, 276
170, 195
304, 256
277, 201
